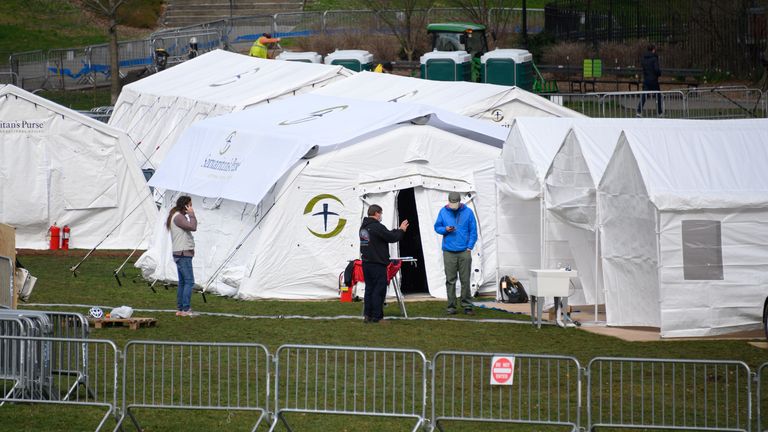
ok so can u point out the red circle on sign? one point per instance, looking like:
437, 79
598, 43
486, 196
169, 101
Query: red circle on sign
502, 370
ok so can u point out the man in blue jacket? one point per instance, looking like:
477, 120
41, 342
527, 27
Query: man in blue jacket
456, 223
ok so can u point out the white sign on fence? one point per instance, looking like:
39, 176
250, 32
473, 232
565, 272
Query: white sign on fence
502, 370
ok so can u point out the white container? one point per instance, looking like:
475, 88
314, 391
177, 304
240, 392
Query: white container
517, 55
305, 57
458, 57
361, 56
551, 283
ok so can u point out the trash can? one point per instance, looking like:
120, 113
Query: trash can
304, 57
512, 67
355, 60
446, 66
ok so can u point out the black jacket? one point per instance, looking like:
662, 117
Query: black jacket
651, 70
375, 239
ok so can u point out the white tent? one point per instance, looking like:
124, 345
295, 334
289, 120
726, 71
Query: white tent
684, 223
156, 110
293, 223
59, 166
500, 104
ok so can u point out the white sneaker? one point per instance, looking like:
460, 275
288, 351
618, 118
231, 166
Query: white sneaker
639, 115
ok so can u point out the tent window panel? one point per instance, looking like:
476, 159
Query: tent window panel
702, 250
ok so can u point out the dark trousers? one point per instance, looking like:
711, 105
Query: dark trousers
651, 86
375, 289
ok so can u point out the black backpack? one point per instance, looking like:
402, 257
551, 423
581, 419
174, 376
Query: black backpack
512, 291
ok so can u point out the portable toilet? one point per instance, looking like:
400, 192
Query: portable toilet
305, 57
511, 67
355, 60
446, 66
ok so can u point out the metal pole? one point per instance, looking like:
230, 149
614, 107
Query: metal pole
525, 24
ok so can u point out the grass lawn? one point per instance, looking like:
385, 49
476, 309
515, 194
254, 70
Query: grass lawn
95, 285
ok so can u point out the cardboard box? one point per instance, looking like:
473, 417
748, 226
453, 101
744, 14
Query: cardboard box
8, 249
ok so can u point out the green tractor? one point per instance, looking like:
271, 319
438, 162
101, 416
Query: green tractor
460, 53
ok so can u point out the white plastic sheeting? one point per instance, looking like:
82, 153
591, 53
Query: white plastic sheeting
156, 110
57, 165
499, 104
708, 280
305, 217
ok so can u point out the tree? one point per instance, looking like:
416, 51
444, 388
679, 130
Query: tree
480, 12
108, 8
407, 19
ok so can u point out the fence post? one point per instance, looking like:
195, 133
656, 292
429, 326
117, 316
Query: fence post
324, 23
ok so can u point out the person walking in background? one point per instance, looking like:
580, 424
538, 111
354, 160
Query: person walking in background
374, 252
651, 74
181, 223
456, 223
260, 48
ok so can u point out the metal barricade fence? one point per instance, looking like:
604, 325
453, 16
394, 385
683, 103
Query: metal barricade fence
669, 394
243, 32
177, 44
68, 68
71, 361
297, 24
195, 376
725, 103
39, 386
353, 21
544, 390
9, 78
377, 382
589, 104
666, 104
6, 282
30, 68
761, 400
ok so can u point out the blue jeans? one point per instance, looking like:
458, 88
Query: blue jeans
186, 282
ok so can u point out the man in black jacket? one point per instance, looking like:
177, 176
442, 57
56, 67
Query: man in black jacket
651, 74
374, 252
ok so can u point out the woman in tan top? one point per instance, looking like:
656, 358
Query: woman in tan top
181, 223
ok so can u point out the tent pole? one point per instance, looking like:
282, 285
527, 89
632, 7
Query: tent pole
117, 271
74, 268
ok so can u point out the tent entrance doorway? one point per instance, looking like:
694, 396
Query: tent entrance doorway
414, 277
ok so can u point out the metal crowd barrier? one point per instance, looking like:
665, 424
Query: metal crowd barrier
669, 394
40, 386
202, 376
377, 382
70, 359
6, 283
628, 104
544, 390
762, 398
725, 103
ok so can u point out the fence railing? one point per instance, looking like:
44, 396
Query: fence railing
544, 390
375, 382
703, 103
195, 376
27, 375
761, 400
669, 394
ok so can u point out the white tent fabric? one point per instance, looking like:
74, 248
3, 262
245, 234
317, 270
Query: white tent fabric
155, 110
59, 166
368, 153
499, 104
683, 220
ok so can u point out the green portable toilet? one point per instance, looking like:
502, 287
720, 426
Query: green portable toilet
355, 60
511, 67
446, 66
303, 57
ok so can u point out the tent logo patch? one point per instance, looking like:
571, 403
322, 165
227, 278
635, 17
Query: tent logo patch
227, 142
314, 115
233, 78
325, 213
497, 115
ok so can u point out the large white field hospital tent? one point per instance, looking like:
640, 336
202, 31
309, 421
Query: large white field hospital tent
684, 228
273, 224
156, 110
59, 166
499, 104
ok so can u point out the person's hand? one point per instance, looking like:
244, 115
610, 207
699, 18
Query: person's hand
189, 209
404, 225
450, 228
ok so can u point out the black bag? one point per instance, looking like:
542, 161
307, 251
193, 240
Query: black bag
512, 291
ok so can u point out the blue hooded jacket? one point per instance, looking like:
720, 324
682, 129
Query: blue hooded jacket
465, 235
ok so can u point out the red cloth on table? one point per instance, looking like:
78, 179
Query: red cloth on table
357, 272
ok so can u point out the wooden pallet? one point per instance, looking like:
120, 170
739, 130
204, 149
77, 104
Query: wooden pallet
132, 323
